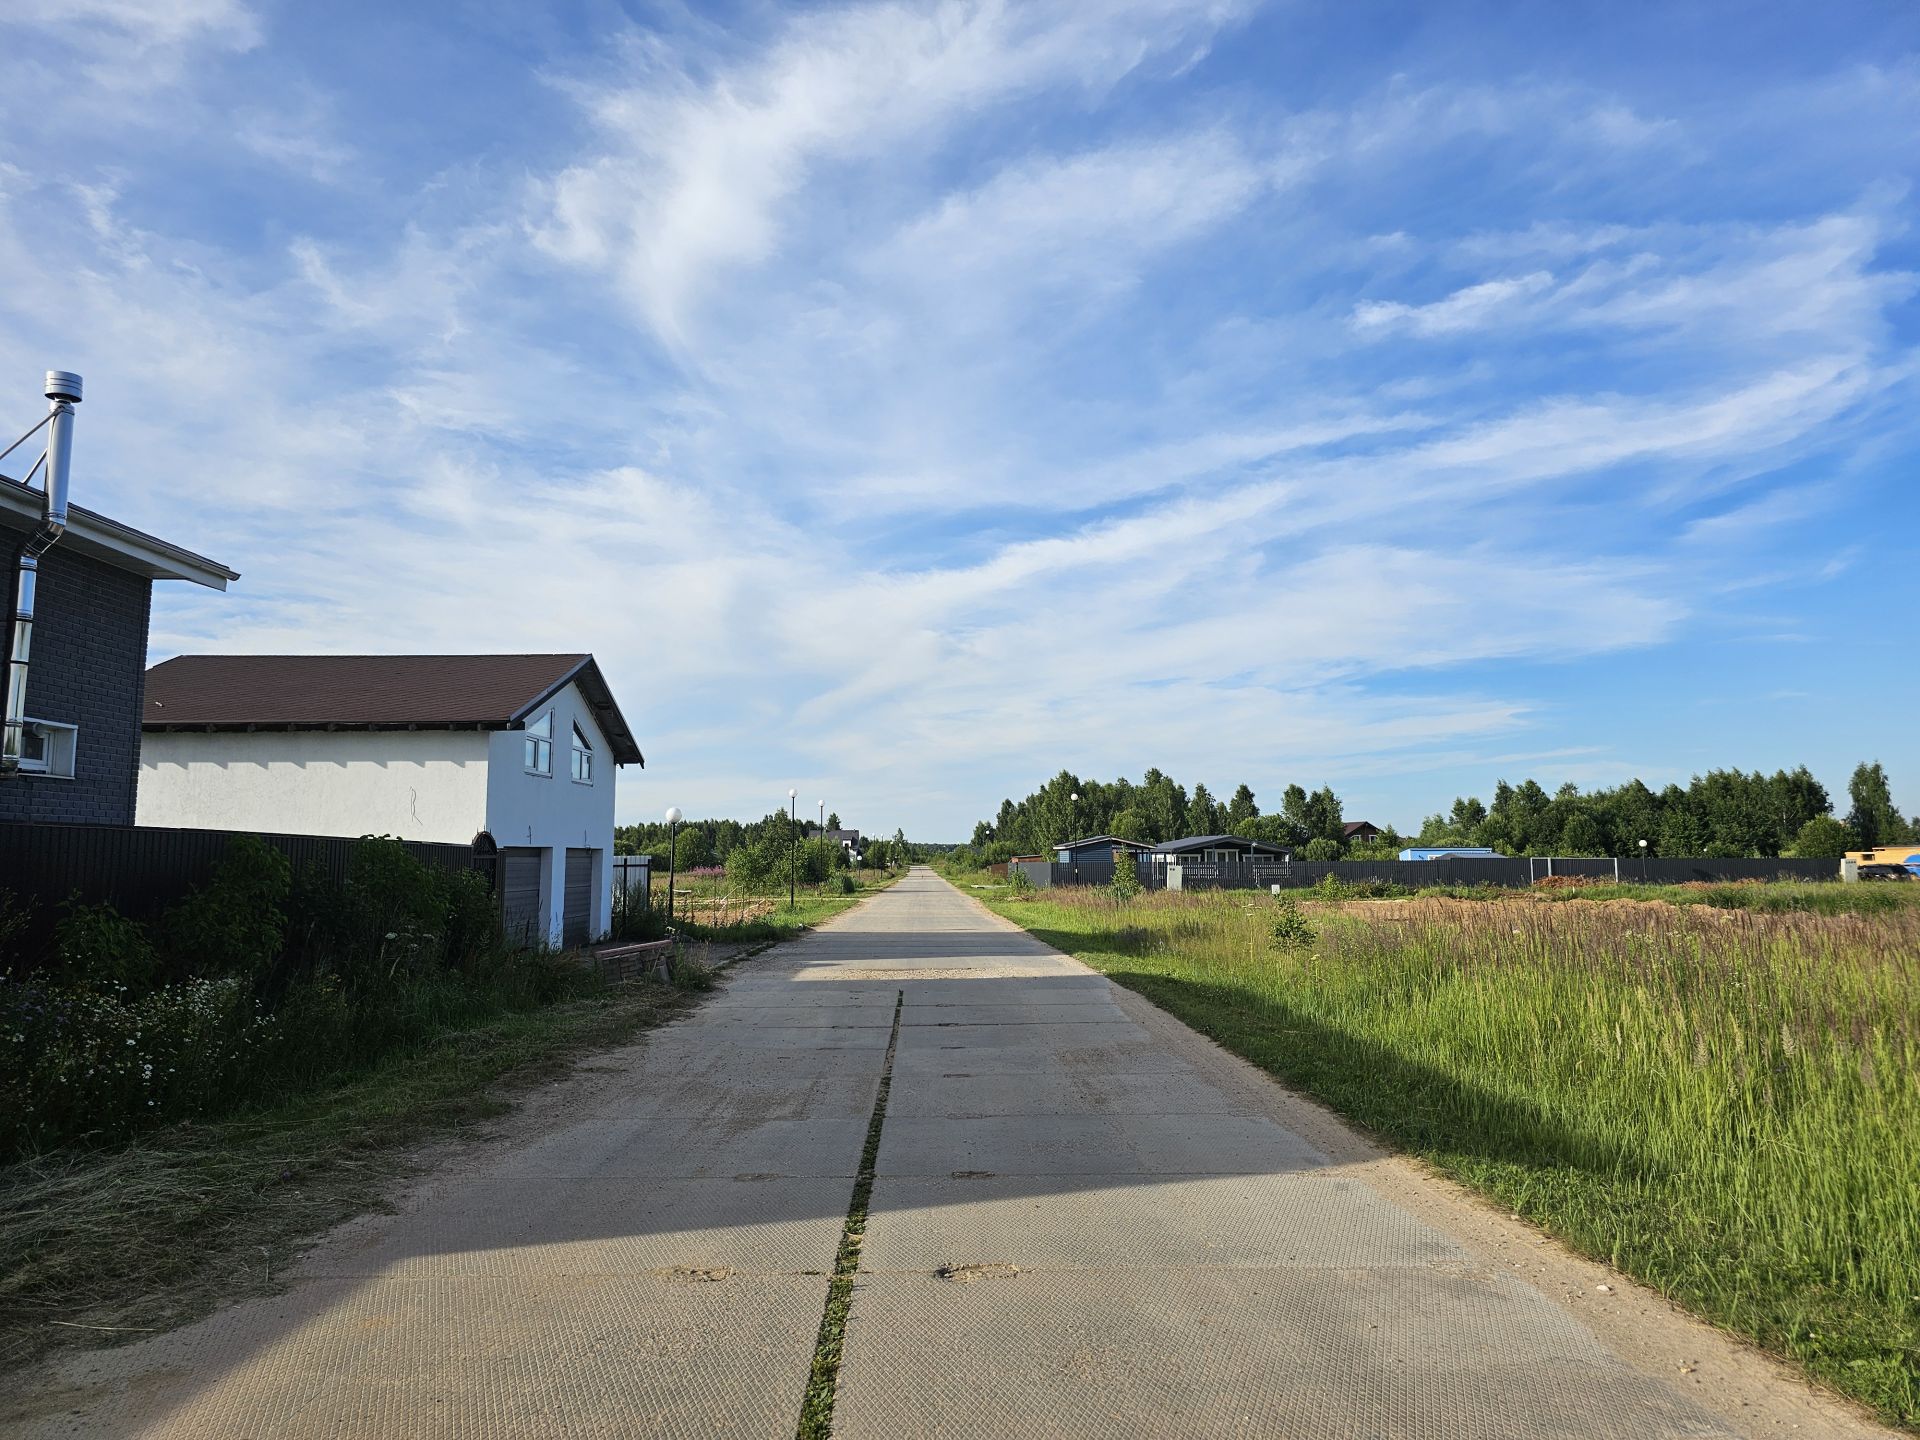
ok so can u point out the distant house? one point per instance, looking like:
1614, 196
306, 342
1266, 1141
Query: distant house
1451, 852
1095, 849
1217, 850
1359, 832
845, 839
423, 747
80, 751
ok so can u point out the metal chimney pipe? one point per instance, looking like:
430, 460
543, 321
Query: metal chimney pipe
63, 393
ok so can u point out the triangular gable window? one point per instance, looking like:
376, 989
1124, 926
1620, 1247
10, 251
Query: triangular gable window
582, 757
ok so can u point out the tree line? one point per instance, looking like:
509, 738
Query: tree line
1721, 813
699, 844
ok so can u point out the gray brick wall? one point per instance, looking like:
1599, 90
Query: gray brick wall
89, 669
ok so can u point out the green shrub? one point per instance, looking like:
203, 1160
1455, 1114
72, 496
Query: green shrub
95, 947
1291, 929
236, 924
1320, 849
1126, 878
839, 883
759, 868
1018, 882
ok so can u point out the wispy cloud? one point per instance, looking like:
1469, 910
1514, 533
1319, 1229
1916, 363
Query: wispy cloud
913, 398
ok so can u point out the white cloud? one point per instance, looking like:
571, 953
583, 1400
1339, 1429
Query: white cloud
695, 175
137, 44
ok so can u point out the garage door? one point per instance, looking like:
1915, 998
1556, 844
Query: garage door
520, 910
577, 920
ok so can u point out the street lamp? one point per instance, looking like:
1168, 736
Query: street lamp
673, 824
793, 856
823, 819
1643, 860
1073, 815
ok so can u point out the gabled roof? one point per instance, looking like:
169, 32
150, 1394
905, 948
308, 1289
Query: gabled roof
1108, 840
1354, 827
95, 535
1204, 842
374, 692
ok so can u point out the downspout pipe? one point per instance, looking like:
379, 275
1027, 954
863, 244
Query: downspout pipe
63, 393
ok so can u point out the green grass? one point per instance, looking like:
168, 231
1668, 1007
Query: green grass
103, 1244
1724, 1103
823, 1376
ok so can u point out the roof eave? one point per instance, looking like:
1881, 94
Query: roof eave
104, 538
599, 698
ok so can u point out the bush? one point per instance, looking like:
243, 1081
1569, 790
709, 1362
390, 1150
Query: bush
1018, 882
1291, 929
95, 947
1320, 849
839, 883
236, 924
1824, 838
759, 868
1126, 878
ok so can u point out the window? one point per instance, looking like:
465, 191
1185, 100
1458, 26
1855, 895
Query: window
47, 748
582, 758
540, 745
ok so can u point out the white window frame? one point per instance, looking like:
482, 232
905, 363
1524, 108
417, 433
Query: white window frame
582, 757
538, 754
60, 749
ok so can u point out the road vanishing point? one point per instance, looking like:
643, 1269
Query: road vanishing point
1085, 1220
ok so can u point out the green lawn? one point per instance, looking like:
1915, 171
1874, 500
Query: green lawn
1722, 1102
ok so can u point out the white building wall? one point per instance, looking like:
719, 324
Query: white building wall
416, 784
555, 812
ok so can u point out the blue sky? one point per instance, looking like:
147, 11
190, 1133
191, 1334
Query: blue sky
907, 401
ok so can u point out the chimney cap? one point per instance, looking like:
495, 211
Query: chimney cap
63, 385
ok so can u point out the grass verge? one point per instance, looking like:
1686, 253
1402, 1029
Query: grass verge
1720, 1103
103, 1245
823, 1378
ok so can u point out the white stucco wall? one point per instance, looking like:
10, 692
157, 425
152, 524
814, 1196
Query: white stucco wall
416, 784
556, 812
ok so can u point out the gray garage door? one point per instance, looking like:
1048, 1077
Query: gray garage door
577, 920
520, 913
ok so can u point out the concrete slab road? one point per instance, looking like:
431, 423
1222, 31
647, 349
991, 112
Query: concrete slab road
1085, 1221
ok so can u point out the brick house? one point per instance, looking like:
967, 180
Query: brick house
81, 763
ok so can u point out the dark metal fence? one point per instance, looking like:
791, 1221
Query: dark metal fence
1463, 870
141, 870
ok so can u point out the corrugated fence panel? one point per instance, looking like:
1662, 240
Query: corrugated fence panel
1458, 870
143, 869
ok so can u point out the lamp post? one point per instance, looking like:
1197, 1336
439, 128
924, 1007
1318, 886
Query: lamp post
1073, 815
673, 825
1643, 860
793, 857
823, 819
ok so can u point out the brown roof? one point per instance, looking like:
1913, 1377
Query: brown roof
432, 692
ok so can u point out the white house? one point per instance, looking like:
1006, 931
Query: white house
423, 747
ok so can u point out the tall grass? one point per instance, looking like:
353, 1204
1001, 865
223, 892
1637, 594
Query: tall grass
1724, 1102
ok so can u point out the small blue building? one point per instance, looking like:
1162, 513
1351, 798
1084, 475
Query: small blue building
1095, 850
